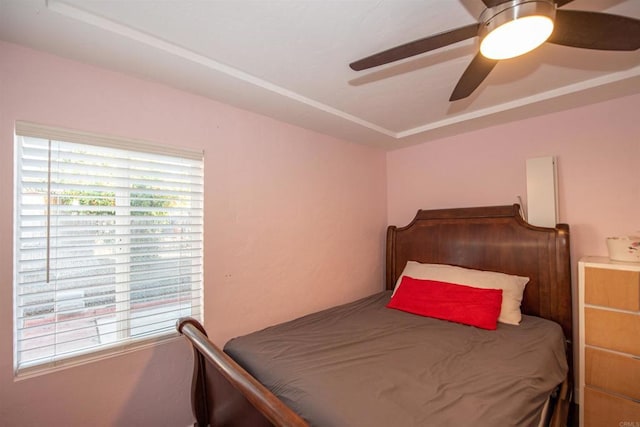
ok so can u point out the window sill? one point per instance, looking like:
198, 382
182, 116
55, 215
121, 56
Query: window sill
35, 370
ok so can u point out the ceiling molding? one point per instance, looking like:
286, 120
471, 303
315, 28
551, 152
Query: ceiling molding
542, 96
89, 18
285, 104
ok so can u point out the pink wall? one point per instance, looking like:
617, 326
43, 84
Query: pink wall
289, 214
598, 152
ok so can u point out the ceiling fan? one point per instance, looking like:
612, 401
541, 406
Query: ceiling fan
508, 28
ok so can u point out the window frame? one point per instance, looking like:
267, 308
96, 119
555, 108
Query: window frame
81, 356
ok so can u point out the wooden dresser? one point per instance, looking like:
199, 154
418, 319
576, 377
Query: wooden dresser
609, 304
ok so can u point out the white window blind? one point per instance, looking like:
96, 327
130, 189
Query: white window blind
108, 243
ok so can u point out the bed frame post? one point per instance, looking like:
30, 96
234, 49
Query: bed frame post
391, 262
199, 405
563, 405
225, 394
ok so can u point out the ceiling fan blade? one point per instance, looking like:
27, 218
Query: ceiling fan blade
560, 3
416, 47
476, 72
594, 30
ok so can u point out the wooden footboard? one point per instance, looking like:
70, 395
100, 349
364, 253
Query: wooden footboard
224, 394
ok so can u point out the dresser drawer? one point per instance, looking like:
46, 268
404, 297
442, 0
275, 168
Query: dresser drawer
612, 288
603, 410
613, 372
612, 330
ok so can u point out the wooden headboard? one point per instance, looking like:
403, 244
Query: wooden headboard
495, 239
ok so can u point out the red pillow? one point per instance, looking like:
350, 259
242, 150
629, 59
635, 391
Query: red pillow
447, 301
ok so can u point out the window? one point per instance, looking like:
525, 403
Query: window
108, 244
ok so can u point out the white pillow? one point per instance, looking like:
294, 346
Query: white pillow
512, 286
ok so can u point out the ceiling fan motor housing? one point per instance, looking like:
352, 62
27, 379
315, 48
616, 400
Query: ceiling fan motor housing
493, 17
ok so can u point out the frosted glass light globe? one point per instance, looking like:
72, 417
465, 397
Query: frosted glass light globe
516, 37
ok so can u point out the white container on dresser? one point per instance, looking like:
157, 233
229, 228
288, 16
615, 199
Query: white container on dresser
609, 331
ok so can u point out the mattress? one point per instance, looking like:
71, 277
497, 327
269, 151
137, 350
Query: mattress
362, 364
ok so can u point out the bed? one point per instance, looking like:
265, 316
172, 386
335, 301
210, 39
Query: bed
355, 364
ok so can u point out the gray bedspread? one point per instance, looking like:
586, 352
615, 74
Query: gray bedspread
362, 364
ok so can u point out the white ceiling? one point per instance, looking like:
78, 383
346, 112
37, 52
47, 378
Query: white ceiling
288, 59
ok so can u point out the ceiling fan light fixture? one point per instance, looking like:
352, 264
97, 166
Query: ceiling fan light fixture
515, 27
